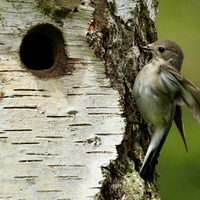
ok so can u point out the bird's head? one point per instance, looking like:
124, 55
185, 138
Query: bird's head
168, 51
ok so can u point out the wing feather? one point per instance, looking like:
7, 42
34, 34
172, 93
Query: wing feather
179, 123
185, 89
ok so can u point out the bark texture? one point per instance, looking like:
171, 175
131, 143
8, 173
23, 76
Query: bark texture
125, 26
62, 133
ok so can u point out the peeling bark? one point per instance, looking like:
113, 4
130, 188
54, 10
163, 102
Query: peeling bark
62, 133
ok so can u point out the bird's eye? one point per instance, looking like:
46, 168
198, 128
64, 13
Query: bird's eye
161, 49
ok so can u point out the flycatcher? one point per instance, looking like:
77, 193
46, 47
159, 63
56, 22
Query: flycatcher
159, 92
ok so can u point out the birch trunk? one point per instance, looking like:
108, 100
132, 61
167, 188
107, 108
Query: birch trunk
67, 70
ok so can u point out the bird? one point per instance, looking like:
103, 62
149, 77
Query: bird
160, 91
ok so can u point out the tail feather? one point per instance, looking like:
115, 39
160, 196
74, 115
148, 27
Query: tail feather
148, 167
153, 152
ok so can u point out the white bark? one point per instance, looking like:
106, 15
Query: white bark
56, 133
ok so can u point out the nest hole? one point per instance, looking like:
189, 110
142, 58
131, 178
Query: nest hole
42, 52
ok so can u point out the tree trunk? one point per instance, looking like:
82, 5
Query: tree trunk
67, 72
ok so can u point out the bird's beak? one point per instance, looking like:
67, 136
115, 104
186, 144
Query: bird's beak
146, 48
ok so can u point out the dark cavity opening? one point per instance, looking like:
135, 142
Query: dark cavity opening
42, 51
37, 51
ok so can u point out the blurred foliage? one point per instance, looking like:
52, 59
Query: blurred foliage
179, 21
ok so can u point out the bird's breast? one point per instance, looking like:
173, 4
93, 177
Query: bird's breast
154, 106
147, 79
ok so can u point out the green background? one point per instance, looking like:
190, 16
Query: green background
179, 21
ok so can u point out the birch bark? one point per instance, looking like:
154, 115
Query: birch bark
62, 133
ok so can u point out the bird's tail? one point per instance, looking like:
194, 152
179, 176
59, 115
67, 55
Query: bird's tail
153, 152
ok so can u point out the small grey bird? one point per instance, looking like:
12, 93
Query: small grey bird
159, 92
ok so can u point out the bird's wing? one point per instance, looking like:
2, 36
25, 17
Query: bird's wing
179, 123
183, 88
